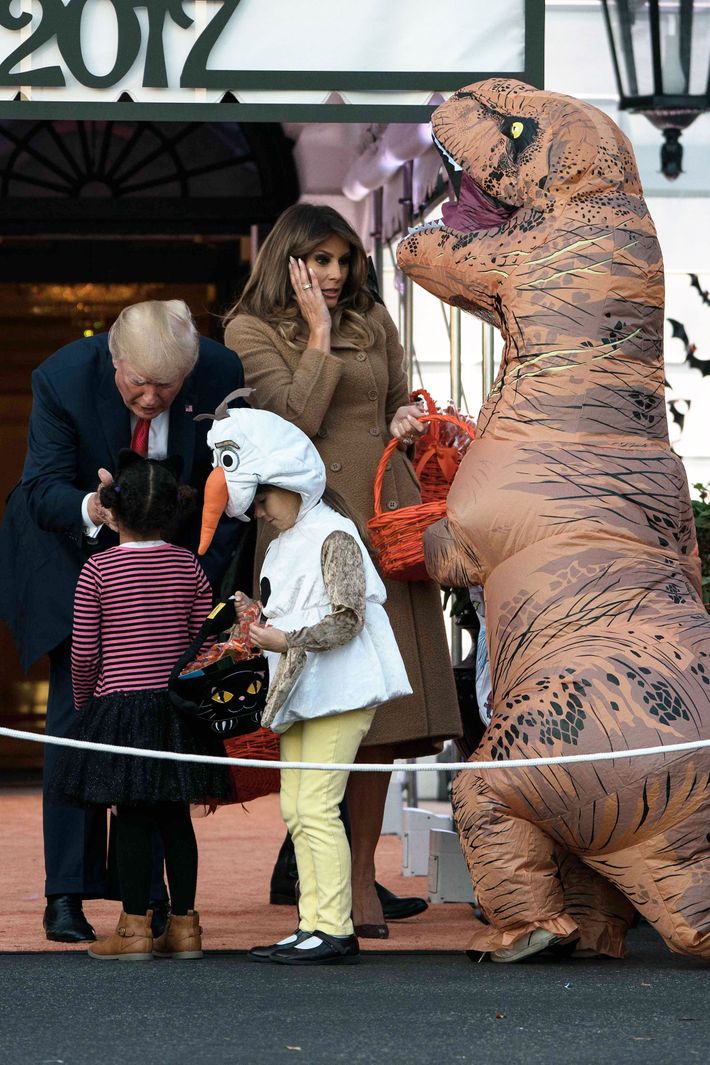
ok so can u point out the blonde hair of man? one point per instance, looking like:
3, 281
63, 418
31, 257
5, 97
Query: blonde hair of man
157, 337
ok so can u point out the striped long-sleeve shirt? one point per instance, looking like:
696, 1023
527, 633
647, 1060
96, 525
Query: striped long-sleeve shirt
136, 609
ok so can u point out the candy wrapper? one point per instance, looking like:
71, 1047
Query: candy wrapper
452, 435
438, 452
234, 643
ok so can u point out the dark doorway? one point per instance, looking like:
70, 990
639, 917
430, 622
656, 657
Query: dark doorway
98, 215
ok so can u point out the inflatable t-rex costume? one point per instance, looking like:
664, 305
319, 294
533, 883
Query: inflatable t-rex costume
573, 512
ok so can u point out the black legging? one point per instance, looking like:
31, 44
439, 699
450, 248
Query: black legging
135, 854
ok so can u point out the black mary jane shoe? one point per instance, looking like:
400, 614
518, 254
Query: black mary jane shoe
265, 953
64, 920
397, 907
333, 950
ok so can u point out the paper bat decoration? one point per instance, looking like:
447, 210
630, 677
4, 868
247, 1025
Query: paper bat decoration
704, 295
679, 332
690, 357
678, 416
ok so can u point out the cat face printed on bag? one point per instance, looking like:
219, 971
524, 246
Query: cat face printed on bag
227, 704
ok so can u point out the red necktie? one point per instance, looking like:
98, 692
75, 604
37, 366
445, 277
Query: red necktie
139, 439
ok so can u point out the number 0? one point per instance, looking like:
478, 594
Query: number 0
129, 42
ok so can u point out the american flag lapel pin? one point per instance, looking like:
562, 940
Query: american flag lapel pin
188, 408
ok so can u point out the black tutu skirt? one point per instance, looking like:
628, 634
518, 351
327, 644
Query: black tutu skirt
145, 719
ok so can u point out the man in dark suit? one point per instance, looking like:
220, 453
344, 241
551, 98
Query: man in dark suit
140, 385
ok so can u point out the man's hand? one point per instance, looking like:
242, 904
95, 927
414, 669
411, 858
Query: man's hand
268, 638
101, 515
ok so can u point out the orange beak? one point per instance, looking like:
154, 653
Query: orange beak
213, 507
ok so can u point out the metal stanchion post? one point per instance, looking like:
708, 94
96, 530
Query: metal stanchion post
487, 359
456, 393
407, 296
411, 785
377, 256
455, 355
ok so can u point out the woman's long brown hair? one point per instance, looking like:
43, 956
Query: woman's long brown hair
268, 293
336, 502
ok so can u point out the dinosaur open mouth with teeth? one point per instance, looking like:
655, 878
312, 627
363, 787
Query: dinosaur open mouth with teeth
474, 209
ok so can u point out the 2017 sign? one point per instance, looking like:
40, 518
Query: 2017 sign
267, 44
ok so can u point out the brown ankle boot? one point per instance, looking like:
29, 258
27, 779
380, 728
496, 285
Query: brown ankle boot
182, 937
132, 940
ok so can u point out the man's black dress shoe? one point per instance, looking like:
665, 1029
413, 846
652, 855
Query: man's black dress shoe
159, 920
396, 908
64, 920
264, 953
333, 950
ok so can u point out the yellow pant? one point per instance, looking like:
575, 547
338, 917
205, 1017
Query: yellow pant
309, 803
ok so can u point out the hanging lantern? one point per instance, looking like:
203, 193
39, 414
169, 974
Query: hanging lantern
661, 55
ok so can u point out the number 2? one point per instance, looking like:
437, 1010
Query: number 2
50, 19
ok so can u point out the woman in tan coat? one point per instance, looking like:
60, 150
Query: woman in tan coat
320, 352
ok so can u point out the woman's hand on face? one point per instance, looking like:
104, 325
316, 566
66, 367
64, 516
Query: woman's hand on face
406, 426
268, 638
310, 299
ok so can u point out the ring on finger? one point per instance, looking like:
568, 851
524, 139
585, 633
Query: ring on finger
307, 286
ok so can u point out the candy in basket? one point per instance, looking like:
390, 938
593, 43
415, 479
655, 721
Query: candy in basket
222, 681
397, 535
438, 452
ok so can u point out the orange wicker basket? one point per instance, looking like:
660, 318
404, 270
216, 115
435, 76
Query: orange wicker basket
251, 783
396, 535
435, 462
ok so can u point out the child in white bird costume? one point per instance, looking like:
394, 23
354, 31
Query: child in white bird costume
332, 653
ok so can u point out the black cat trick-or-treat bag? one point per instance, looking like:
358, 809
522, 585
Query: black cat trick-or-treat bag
216, 683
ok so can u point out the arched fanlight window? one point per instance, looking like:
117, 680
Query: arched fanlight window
138, 175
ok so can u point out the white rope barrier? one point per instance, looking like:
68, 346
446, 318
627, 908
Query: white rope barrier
359, 767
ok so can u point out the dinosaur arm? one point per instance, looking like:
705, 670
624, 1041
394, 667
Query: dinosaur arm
467, 270
456, 268
449, 562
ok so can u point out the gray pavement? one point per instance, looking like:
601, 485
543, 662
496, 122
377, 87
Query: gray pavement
652, 1008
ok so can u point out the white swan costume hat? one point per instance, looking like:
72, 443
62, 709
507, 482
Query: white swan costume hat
251, 448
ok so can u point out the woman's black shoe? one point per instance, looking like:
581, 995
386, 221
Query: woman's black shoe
333, 950
395, 908
64, 920
264, 953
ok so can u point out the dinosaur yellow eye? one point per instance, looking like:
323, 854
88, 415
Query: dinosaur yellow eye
516, 129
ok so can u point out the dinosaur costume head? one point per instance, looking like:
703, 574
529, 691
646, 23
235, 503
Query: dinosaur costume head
523, 147
551, 242
572, 512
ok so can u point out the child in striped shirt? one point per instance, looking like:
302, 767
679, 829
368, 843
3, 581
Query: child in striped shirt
137, 607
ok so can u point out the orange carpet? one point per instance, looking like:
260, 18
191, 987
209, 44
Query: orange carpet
238, 846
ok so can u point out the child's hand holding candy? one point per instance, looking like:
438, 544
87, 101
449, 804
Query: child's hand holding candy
268, 638
242, 603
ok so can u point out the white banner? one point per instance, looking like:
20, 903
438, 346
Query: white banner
188, 51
